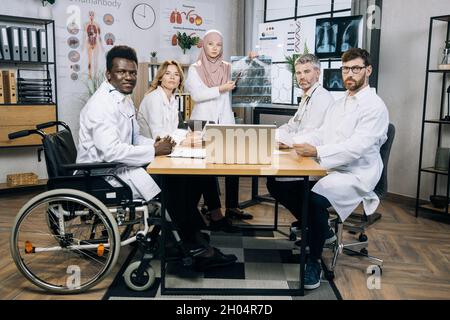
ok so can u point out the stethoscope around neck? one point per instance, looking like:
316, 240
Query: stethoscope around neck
299, 100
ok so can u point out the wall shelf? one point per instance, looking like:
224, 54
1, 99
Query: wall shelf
443, 74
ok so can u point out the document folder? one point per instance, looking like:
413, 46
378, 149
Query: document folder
9, 86
33, 44
4, 43
42, 36
2, 94
14, 46
24, 50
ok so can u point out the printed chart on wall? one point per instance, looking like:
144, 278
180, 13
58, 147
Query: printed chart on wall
90, 33
192, 18
278, 40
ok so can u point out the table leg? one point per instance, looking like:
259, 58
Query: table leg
304, 235
163, 234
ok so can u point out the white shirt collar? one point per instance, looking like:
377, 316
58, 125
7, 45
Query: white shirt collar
311, 90
165, 98
362, 94
119, 97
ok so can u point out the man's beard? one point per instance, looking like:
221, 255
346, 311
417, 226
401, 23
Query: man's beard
354, 85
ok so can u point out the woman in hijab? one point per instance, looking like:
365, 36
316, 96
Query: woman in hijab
209, 84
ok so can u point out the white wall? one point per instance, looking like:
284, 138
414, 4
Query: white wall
404, 41
69, 104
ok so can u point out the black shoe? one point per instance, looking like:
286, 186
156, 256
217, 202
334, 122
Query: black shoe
238, 214
218, 259
224, 225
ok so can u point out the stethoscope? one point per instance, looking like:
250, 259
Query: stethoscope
299, 116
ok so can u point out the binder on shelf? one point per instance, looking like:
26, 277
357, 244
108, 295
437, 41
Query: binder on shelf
33, 44
14, 46
2, 95
9, 86
42, 43
24, 51
4, 43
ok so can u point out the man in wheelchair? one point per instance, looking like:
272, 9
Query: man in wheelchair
109, 132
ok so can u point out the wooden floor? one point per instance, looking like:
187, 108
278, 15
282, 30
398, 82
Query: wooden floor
416, 254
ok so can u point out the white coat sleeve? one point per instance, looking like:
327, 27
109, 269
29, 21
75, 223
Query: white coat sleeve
198, 90
152, 113
140, 140
107, 140
370, 129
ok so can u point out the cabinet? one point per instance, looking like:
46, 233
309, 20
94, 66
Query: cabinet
436, 73
146, 73
35, 78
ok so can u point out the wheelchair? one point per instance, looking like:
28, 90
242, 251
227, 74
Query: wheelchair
67, 239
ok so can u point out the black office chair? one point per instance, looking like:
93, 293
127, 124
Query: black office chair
380, 189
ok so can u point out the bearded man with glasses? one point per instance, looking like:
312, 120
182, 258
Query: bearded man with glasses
348, 145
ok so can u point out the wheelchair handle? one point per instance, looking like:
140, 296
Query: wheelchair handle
24, 133
51, 124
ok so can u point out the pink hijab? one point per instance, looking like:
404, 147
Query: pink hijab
213, 72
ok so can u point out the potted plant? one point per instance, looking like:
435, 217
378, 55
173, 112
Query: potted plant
185, 42
153, 58
45, 11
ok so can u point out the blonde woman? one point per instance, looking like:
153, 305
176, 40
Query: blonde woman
159, 117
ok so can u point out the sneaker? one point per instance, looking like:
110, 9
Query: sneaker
313, 273
330, 237
238, 214
224, 225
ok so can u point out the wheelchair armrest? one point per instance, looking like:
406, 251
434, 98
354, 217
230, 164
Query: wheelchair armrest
91, 166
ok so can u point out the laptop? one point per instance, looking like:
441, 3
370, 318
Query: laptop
239, 144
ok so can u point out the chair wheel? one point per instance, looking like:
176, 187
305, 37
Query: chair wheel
364, 251
292, 237
134, 282
362, 238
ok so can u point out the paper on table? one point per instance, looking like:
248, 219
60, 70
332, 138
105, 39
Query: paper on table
186, 152
284, 137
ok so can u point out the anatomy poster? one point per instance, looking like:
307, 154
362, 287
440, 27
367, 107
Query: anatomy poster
193, 18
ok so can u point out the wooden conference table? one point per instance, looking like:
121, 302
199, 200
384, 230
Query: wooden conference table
284, 164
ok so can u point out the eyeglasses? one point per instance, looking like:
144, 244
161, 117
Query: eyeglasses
355, 69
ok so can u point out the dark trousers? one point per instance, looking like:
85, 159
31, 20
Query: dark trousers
183, 194
290, 195
211, 193
232, 192
210, 188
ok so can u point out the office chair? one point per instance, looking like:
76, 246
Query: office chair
380, 189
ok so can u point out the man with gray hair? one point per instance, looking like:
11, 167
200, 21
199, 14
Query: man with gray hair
313, 106
314, 102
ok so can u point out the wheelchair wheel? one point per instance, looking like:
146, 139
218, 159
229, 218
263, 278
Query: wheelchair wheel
64, 241
134, 282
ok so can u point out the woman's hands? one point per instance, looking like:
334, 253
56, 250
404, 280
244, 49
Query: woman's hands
193, 140
229, 86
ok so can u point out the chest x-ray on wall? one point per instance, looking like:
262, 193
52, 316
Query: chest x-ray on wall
334, 36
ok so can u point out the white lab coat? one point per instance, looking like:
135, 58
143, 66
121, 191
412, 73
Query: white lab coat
309, 116
210, 104
109, 132
311, 111
348, 144
159, 117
